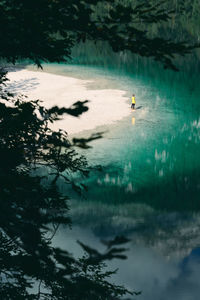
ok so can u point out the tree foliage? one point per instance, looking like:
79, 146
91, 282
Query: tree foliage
46, 30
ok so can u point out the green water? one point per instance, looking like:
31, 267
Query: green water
155, 152
149, 187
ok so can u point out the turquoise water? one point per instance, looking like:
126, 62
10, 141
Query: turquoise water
155, 149
149, 187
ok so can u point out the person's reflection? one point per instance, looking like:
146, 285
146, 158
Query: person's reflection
133, 121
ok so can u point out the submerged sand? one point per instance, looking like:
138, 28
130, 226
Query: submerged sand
105, 106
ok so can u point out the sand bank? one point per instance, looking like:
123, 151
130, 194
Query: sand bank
105, 106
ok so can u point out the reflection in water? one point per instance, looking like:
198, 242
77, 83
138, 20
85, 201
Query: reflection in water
146, 268
133, 121
172, 234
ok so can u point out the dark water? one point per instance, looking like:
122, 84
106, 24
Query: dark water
149, 187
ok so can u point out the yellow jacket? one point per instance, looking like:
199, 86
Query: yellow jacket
133, 100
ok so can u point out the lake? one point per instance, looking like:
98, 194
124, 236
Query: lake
149, 187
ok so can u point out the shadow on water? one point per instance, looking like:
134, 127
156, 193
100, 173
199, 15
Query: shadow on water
139, 107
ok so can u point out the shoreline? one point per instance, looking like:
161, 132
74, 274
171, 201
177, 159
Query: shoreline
106, 106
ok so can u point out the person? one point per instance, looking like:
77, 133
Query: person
133, 102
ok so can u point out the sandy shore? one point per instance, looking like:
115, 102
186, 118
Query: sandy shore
105, 106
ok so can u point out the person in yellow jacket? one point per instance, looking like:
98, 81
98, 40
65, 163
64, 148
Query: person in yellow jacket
133, 101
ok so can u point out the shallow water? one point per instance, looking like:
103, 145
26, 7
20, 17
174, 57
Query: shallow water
149, 186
